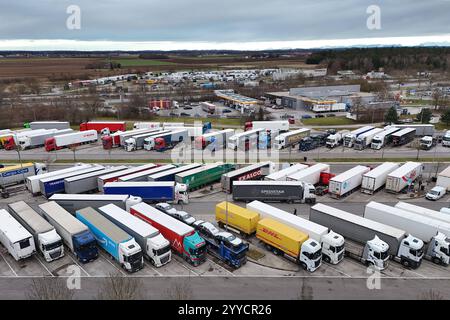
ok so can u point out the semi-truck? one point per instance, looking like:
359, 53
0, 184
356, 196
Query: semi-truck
282, 175
55, 184
104, 128
59, 125
15, 238
332, 244
147, 125
137, 142
156, 248
74, 202
183, 239
266, 139
383, 138
364, 140
446, 139
207, 107
403, 177
280, 126
274, 191
168, 140
11, 175
118, 138
433, 233
87, 182
375, 179
369, 241
247, 140
44, 234
75, 234
12, 142
159, 191
329, 107
143, 175
230, 215
336, 139
290, 139
213, 141
70, 139
116, 242
252, 172
350, 138
310, 175
427, 142
38, 140
347, 182
403, 136
421, 129
203, 176
114, 177
169, 175
443, 179
192, 132
433, 214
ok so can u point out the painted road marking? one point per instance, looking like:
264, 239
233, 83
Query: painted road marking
70, 256
106, 258
38, 259
220, 266
8, 265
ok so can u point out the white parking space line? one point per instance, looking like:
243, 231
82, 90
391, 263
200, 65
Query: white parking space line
115, 267
333, 268
87, 273
188, 269
42, 263
220, 266
8, 264
148, 264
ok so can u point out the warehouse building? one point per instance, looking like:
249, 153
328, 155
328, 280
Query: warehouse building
237, 101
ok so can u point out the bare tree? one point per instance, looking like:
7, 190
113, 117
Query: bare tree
119, 287
181, 289
49, 289
437, 96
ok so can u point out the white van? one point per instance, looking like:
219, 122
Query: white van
436, 193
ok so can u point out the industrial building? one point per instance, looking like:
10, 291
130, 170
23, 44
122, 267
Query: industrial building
239, 102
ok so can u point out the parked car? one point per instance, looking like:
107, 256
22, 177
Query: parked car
226, 111
183, 216
306, 116
187, 108
319, 116
331, 115
166, 208
228, 239
173, 114
184, 114
206, 228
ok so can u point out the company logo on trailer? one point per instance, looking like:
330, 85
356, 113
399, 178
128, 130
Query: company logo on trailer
15, 172
272, 192
250, 175
271, 233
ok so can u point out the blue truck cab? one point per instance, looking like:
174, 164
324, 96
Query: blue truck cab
206, 127
233, 256
84, 245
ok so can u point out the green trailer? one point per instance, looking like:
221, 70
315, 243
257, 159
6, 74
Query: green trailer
204, 175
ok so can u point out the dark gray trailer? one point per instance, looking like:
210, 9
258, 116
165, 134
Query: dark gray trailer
87, 182
74, 202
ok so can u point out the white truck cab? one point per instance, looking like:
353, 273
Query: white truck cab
333, 140
333, 247
149, 143
410, 252
130, 255
377, 142
376, 253
130, 145
310, 255
51, 245
181, 193
446, 139
131, 201
309, 193
439, 249
436, 193
427, 142
158, 250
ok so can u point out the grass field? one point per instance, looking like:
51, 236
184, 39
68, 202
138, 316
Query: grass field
331, 121
142, 62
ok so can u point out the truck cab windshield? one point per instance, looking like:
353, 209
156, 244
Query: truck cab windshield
336, 249
198, 252
381, 255
134, 257
53, 245
161, 251
87, 246
416, 253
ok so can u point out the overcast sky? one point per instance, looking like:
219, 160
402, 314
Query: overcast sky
259, 24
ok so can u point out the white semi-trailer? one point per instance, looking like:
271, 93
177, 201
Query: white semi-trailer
402, 177
143, 175
88, 182
443, 179
349, 138
383, 138
347, 181
364, 140
284, 173
310, 175
375, 179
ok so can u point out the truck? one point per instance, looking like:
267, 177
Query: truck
11, 140
75, 234
116, 242
104, 127
403, 177
329, 107
313, 141
332, 244
364, 140
266, 139
203, 176
207, 107
347, 182
118, 138
74, 202
213, 141
252, 172
32, 182
443, 179
446, 139
59, 125
55, 184
156, 248
375, 179
11, 175
311, 174
143, 175
336, 139
421, 129
274, 191
239, 218
436, 215
138, 142
159, 191
383, 138
169, 175
234, 256
403, 136
290, 139
369, 241
183, 239
15, 238
87, 182
114, 177
350, 138
192, 132
427, 142
247, 140
433, 233
44, 234
166, 141
38, 140
282, 175
147, 125
70, 139
280, 126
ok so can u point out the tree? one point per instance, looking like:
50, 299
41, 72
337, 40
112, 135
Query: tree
445, 117
424, 116
49, 289
391, 115
437, 96
260, 116
180, 290
119, 287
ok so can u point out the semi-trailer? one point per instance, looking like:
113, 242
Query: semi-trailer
332, 244
75, 234
16, 174
137, 142
290, 139
436, 215
213, 141
207, 107
247, 140
274, 191
169, 175
421, 129
404, 176
282, 175
15, 238
403, 136
147, 125
375, 179
350, 138
280, 126
168, 140
193, 132
347, 182
44, 234
70, 139
38, 140
116, 242
369, 241
364, 140
443, 179
252, 172
114, 177
266, 139
118, 138
159, 191
74, 202
203, 176
337, 139
55, 184
383, 138
310, 175
239, 218
104, 127
88, 182
183, 239
59, 125
12, 142
433, 233
143, 175
156, 248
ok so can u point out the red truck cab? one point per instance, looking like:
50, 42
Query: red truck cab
9, 143
107, 142
50, 144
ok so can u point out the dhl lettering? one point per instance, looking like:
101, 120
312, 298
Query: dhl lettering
271, 233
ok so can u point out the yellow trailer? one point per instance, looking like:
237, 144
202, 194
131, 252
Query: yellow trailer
239, 218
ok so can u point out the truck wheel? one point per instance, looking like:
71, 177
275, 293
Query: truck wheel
405, 263
326, 259
5, 195
221, 225
276, 251
303, 265
436, 260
